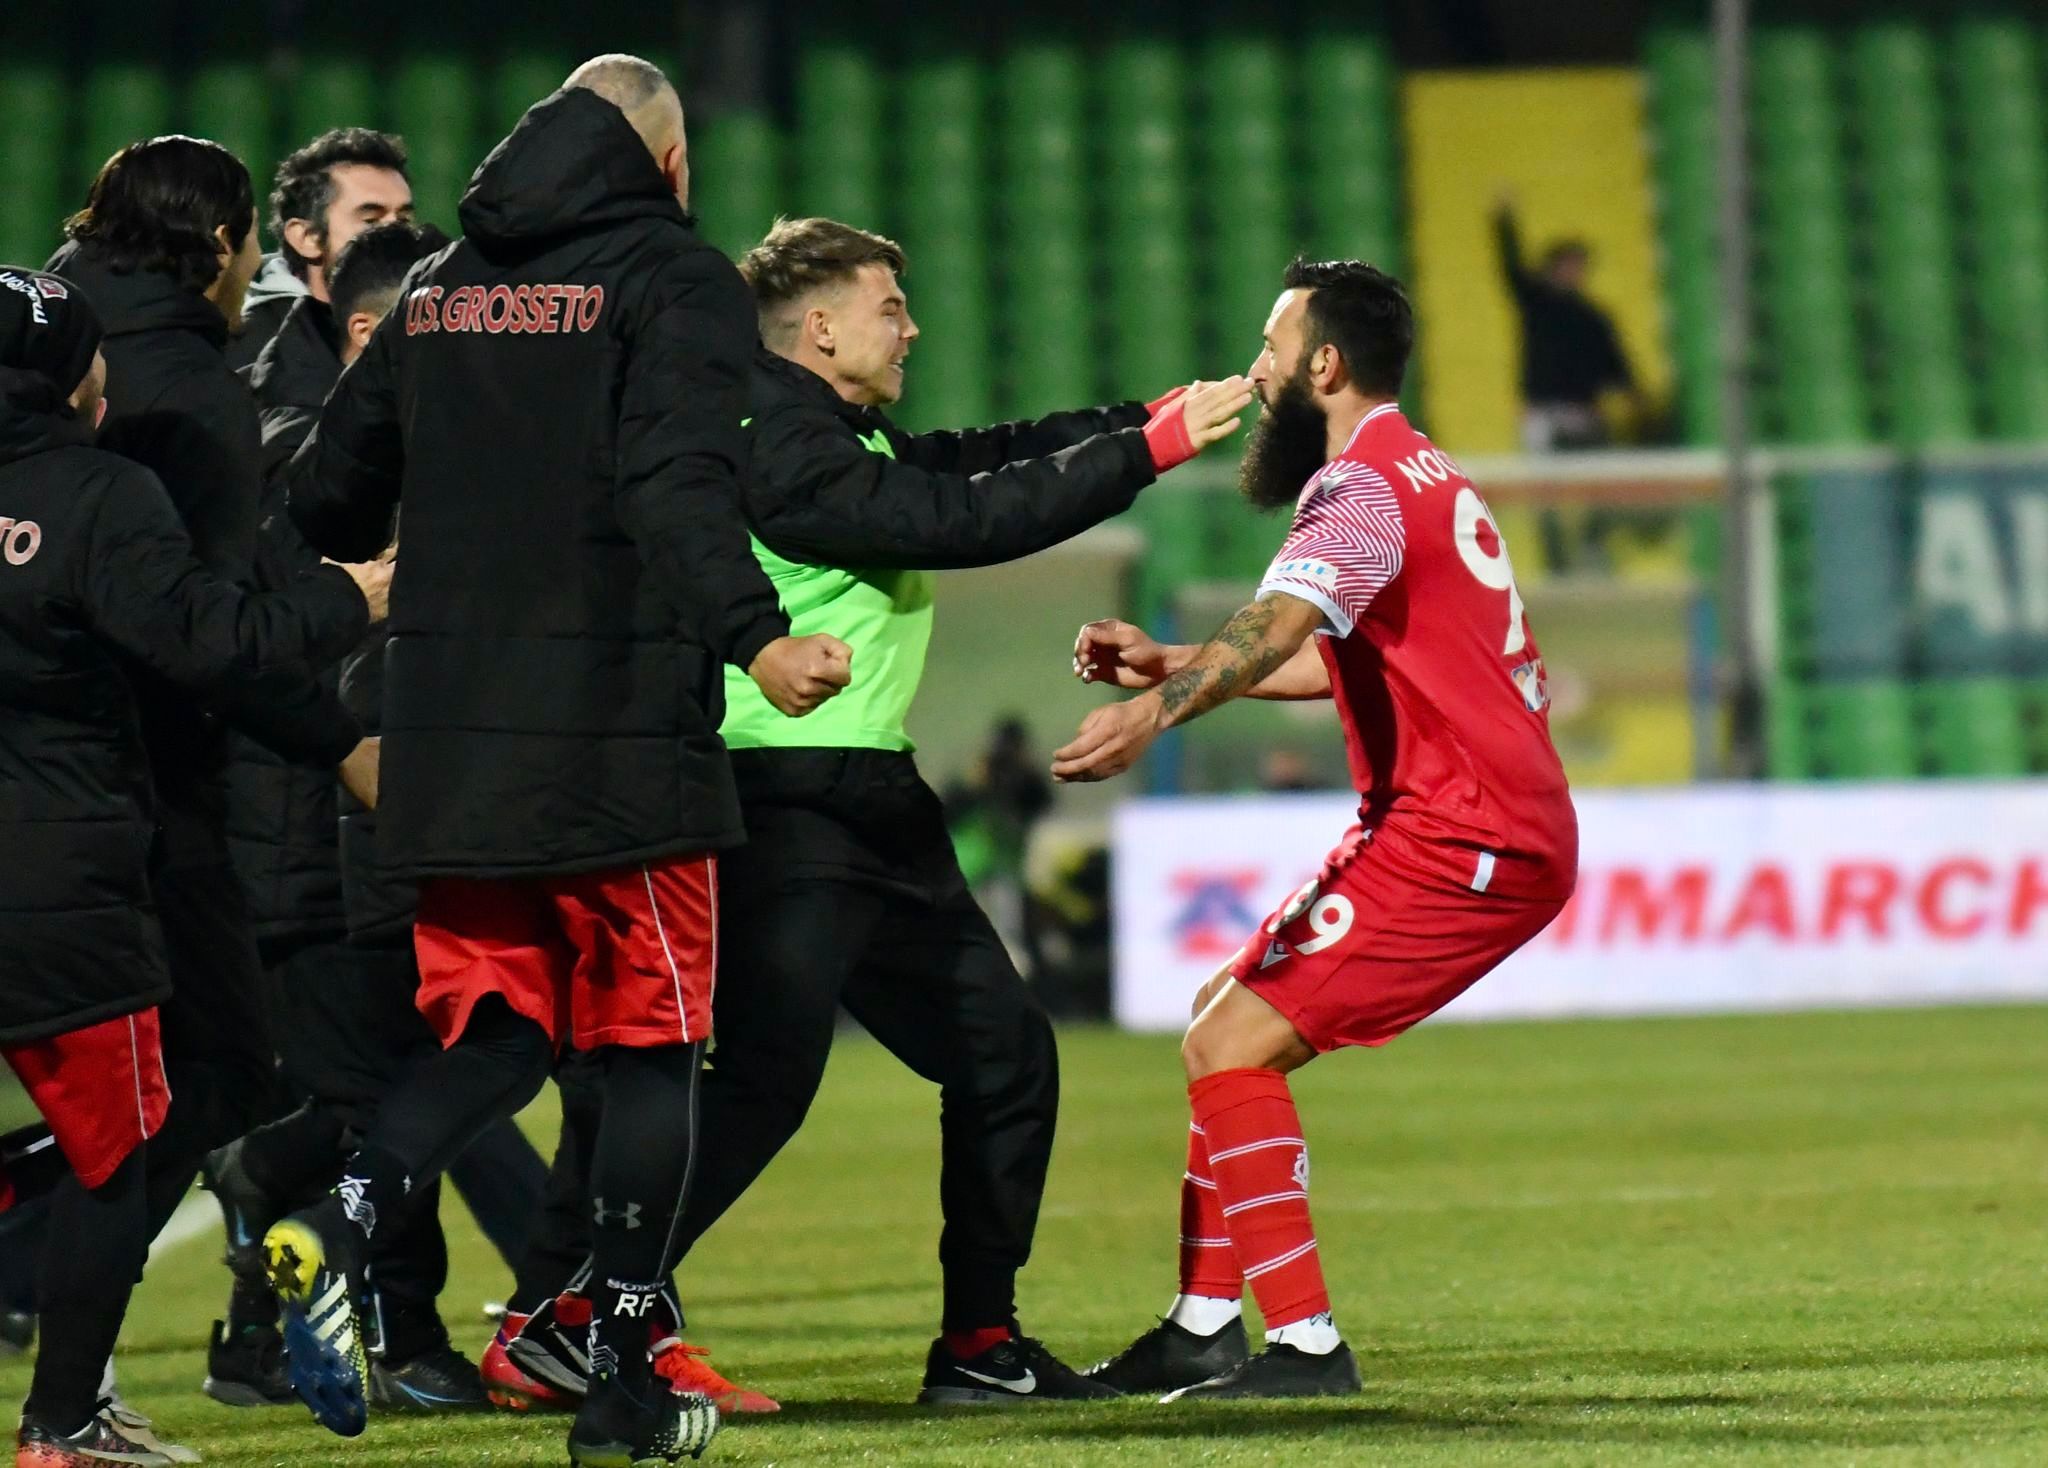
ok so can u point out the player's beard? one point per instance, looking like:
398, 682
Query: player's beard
1285, 448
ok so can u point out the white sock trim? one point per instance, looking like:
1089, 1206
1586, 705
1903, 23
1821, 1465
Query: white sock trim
1204, 1314
1316, 1335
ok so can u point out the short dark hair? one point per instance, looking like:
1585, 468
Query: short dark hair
373, 264
156, 204
797, 256
304, 186
1364, 313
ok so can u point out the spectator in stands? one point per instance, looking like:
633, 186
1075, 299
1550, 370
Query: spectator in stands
1571, 354
325, 194
1285, 770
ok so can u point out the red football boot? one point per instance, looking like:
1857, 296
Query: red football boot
690, 1368
509, 1387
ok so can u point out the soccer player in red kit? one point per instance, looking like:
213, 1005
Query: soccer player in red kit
1393, 596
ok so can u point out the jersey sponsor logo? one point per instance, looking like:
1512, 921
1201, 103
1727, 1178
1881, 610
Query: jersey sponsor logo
19, 541
1215, 911
1306, 568
1535, 687
504, 309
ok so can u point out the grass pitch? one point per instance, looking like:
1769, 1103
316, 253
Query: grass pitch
1782, 1239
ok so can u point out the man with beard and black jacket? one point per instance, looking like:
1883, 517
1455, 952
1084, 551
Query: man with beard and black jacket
98, 584
343, 182
848, 891
557, 402
342, 1014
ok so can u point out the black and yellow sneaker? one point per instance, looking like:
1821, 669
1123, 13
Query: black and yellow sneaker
1019, 1369
1170, 1356
311, 1260
1281, 1371
620, 1427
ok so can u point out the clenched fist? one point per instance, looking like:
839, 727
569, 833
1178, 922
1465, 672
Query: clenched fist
796, 674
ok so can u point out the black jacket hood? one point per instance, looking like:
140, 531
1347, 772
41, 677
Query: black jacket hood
298, 365
572, 164
132, 301
34, 416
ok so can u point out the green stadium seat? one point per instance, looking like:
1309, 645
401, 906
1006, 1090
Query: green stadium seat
2003, 165
1347, 89
1863, 730
1680, 69
230, 102
1142, 155
1973, 726
1047, 320
519, 81
1812, 389
1246, 182
123, 102
1788, 744
943, 213
34, 110
1915, 299
839, 135
435, 105
329, 94
735, 178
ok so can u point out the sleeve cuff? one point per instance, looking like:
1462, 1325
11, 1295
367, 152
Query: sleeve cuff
1335, 619
755, 636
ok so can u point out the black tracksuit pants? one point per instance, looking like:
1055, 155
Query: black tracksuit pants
848, 893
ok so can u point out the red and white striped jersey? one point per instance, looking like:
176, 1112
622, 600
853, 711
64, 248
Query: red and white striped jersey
1434, 670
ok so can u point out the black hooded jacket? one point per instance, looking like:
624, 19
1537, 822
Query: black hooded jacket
557, 398
99, 588
174, 407
281, 816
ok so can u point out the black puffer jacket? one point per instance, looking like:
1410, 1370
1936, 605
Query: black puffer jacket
558, 398
380, 905
98, 584
174, 407
281, 816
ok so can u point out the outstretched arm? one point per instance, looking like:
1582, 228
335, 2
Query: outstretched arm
1248, 649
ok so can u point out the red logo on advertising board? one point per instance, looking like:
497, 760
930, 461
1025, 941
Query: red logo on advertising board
1951, 899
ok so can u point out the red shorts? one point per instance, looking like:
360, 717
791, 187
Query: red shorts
102, 1089
622, 957
1376, 944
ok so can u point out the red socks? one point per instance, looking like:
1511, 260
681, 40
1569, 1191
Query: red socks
965, 1345
1259, 1163
1208, 1265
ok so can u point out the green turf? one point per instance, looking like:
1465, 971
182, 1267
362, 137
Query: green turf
1796, 1239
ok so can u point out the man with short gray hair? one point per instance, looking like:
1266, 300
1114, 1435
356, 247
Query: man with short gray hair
557, 401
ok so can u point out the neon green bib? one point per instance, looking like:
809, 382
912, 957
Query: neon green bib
884, 616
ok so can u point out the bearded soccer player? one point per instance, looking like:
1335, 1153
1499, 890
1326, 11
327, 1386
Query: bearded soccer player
1393, 596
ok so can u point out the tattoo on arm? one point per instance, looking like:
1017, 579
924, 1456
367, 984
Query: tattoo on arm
1235, 661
